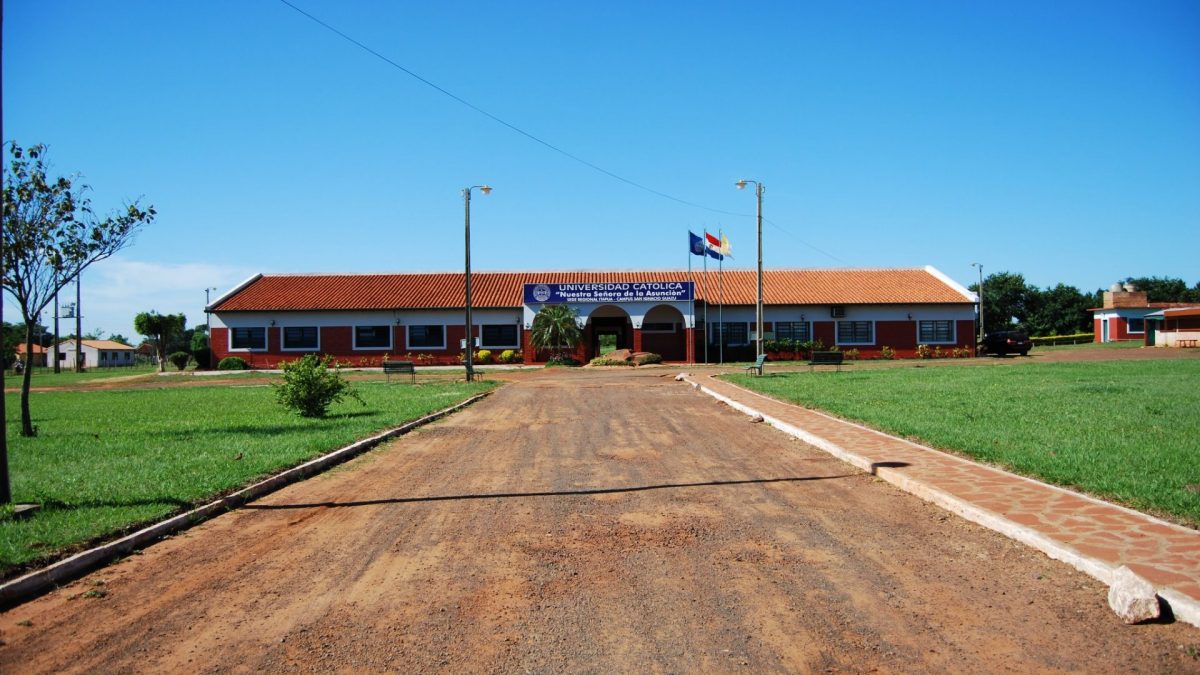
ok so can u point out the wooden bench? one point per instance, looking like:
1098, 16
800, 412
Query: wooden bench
826, 359
399, 368
1188, 343
757, 366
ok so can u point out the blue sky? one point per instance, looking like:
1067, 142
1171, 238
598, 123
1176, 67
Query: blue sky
1059, 140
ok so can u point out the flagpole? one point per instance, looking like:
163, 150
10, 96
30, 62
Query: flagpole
705, 300
721, 298
691, 336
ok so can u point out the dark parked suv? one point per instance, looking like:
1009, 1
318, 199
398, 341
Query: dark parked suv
1006, 342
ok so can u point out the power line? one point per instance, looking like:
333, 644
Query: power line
501, 121
793, 236
532, 137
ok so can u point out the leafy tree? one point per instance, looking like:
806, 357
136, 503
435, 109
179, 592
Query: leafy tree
555, 327
309, 387
51, 235
1062, 310
160, 328
199, 347
120, 339
1165, 289
198, 339
1005, 297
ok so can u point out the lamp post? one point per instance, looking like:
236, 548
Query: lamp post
485, 189
981, 329
758, 308
208, 325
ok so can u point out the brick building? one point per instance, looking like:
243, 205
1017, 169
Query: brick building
1124, 314
362, 318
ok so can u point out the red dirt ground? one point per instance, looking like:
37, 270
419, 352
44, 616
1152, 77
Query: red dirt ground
588, 522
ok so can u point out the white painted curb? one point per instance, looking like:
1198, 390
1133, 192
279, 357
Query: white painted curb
39, 581
1184, 608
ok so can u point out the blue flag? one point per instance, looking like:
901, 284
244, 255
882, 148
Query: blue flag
696, 244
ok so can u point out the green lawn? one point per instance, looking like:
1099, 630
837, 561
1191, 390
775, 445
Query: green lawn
1123, 344
1128, 431
107, 460
46, 377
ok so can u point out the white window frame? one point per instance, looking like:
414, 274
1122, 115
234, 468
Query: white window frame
837, 332
391, 333
408, 338
283, 340
266, 339
1129, 326
489, 346
953, 333
649, 331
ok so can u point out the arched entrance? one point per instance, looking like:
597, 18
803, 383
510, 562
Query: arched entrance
665, 332
608, 327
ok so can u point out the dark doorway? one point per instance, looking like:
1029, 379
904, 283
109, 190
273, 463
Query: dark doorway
610, 332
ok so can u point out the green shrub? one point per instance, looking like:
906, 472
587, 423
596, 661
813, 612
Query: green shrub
179, 359
233, 363
309, 387
562, 360
852, 354
602, 361
203, 357
483, 356
887, 353
811, 346
646, 359
509, 356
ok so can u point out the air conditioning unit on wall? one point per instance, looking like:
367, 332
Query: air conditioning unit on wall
837, 311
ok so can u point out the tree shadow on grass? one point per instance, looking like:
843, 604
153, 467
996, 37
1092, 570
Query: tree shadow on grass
59, 505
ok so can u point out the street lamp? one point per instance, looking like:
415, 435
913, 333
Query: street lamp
758, 309
208, 325
980, 305
485, 189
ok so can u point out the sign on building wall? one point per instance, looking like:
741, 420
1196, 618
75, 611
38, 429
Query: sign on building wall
640, 291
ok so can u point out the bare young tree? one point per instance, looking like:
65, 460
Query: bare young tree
51, 235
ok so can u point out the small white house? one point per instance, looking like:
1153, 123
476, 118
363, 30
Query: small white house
96, 354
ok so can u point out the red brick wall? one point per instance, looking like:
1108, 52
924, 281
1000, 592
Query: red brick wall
671, 346
338, 342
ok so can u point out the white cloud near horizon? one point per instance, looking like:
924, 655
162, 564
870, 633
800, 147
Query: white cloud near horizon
116, 289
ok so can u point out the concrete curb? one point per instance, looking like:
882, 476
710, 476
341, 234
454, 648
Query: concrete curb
1184, 608
39, 581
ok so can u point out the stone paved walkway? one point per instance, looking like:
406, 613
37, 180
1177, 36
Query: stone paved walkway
1092, 535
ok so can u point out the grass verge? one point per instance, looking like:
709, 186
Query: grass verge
1128, 431
107, 461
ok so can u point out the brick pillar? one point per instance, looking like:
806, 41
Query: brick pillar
637, 339
528, 354
689, 336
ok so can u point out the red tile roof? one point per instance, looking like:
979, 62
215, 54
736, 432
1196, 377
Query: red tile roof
301, 292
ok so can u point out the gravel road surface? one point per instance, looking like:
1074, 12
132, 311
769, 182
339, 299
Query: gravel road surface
588, 522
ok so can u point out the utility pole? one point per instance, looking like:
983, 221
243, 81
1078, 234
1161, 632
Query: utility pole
57, 367
981, 328
78, 324
758, 305
208, 326
470, 343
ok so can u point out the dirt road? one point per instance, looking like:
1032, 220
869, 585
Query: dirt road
588, 522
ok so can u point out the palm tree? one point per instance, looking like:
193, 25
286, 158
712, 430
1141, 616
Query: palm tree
555, 327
